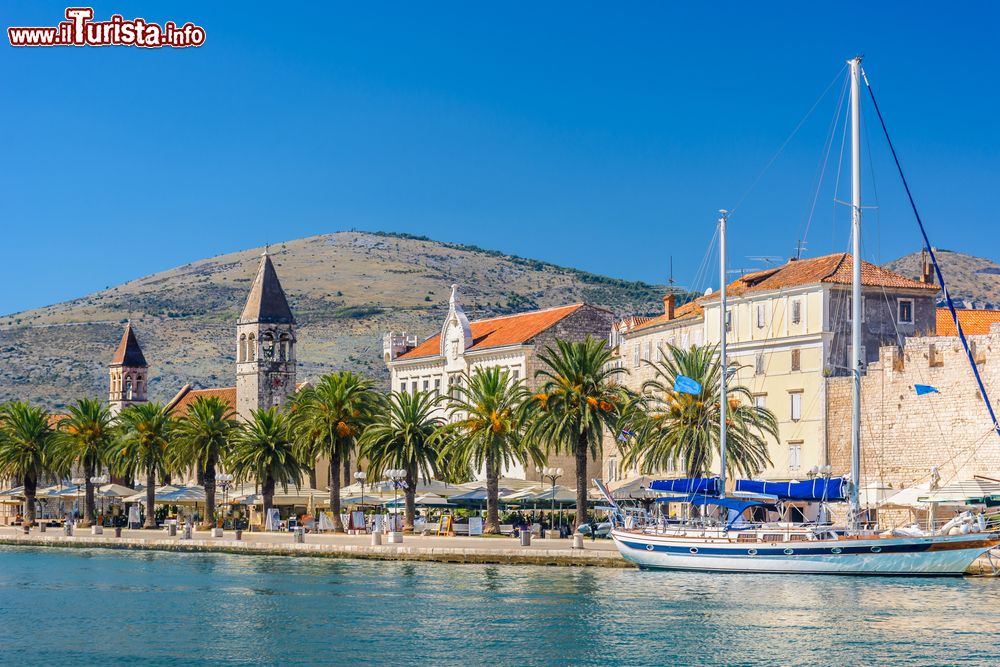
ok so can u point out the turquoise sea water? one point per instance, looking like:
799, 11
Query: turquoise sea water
100, 607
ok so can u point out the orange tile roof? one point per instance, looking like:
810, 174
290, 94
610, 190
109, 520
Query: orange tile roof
834, 269
500, 331
687, 311
186, 396
973, 321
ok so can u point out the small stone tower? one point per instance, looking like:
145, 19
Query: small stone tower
265, 351
128, 373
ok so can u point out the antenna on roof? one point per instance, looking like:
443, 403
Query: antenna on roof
670, 278
800, 247
768, 260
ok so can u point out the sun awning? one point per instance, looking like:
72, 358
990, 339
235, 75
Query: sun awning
967, 491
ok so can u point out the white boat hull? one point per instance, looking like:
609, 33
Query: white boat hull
946, 555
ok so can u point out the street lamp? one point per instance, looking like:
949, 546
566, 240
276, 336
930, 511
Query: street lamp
552, 474
360, 476
223, 481
98, 481
396, 476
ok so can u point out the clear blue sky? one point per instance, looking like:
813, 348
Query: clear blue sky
598, 135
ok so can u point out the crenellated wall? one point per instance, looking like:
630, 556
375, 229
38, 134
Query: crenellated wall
903, 435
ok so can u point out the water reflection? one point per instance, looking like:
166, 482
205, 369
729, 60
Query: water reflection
161, 608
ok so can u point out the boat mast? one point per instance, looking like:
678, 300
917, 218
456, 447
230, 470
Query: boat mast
724, 366
856, 359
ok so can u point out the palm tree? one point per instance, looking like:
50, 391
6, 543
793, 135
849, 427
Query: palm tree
84, 436
263, 450
328, 419
141, 447
404, 435
27, 449
672, 427
488, 433
578, 401
202, 438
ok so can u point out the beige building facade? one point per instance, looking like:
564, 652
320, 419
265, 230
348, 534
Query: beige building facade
512, 342
788, 331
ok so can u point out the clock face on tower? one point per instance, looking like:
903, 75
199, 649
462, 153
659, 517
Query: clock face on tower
277, 383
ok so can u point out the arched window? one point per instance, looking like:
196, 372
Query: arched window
267, 345
128, 389
241, 352
285, 347
251, 348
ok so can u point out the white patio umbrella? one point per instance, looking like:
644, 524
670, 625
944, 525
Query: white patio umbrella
874, 494
966, 491
560, 494
114, 491
140, 497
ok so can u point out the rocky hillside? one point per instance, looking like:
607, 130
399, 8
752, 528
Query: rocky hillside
974, 282
346, 290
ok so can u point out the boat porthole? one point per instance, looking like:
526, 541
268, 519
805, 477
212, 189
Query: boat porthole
649, 547
789, 552
693, 550
751, 552
875, 550
836, 550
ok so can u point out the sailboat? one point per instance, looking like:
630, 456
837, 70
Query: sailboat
726, 533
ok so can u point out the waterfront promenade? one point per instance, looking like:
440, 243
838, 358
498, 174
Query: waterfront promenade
491, 550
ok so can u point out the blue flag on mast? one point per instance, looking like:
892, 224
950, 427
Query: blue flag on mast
925, 389
685, 385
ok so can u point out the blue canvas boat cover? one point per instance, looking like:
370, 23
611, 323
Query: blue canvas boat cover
819, 489
705, 485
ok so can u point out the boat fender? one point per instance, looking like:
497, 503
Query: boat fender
982, 523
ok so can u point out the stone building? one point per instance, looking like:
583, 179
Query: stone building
512, 342
788, 329
904, 435
128, 373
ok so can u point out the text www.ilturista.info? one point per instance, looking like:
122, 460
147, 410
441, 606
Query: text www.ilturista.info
81, 30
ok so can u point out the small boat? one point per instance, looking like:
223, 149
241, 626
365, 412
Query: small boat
747, 531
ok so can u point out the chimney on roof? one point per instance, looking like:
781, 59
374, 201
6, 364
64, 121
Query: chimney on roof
926, 269
668, 305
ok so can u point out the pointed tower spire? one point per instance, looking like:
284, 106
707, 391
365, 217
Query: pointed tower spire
267, 302
265, 345
128, 373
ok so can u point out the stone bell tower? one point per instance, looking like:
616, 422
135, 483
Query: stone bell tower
128, 373
265, 350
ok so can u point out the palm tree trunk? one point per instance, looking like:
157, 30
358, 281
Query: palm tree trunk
581, 481
30, 486
208, 479
338, 525
410, 496
347, 470
312, 476
150, 521
492, 526
267, 490
88, 498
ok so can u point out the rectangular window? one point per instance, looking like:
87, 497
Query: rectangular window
649, 350
612, 470
760, 400
906, 311
516, 374
794, 455
761, 316
850, 308
729, 321
759, 364
427, 385
413, 387
635, 355
437, 386
697, 338
402, 387
796, 311
684, 341
796, 360
796, 405
659, 351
